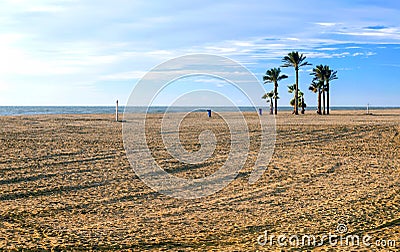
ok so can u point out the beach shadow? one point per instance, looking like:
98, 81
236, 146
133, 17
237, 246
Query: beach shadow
188, 167
83, 160
39, 177
389, 224
26, 179
47, 192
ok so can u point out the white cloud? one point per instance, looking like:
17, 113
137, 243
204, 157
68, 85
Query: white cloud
243, 43
131, 75
221, 50
80, 55
363, 54
87, 42
327, 49
326, 24
26, 6
388, 34
345, 69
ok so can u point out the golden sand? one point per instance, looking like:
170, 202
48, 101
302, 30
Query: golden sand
65, 183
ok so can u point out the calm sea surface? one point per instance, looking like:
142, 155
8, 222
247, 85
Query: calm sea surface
43, 110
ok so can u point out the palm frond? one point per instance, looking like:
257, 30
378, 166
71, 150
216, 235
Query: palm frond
305, 64
291, 88
273, 75
294, 59
319, 73
283, 76
268, 95
333, 75
316, 85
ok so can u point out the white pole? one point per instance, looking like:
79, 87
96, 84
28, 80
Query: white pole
116, 112
368, 109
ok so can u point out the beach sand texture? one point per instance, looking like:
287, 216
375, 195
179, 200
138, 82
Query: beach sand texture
66, 183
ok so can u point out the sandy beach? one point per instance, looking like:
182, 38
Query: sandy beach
66, 183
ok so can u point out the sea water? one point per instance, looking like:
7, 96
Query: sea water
44, 110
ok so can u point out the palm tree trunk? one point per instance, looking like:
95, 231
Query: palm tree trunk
323, 102
327, 97
276, 98
271, 107
319, 102
296, 94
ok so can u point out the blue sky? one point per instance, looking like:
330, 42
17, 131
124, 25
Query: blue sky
72, 52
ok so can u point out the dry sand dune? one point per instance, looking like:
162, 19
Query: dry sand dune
65, 183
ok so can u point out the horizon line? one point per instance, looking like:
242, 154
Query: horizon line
249, 106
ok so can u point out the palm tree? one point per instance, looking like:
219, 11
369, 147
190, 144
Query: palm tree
300, 100
319, 77
273, 76
292, 89
296, 60
316, 87
270, 96
302, 103
323, 100
329, 76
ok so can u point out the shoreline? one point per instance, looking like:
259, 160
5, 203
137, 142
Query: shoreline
100, 110
378, 111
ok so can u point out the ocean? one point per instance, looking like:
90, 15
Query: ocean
45, 110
